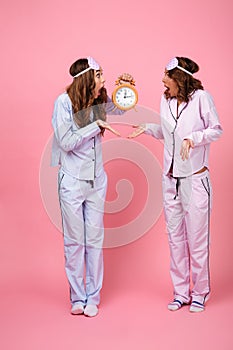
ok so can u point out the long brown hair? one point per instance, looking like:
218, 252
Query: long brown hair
81, 93
187, 84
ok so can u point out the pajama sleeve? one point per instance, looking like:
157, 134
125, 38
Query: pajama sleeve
154, 130
69, 137
212, 129
111, 109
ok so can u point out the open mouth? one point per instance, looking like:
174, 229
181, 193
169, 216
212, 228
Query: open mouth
100, 90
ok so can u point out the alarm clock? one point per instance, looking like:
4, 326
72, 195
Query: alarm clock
125, 95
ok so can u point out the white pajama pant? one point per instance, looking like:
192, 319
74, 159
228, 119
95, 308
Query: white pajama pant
82, 208
187, 218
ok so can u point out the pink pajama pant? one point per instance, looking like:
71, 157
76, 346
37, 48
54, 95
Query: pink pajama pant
187, 218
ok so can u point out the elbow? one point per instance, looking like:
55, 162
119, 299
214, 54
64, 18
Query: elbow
219, 131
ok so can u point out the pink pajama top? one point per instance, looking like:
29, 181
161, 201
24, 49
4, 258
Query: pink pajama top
196, 120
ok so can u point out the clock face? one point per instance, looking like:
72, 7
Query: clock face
125, 97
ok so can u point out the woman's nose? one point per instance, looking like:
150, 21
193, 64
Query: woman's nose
164, 79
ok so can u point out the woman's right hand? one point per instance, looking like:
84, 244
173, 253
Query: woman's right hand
185, 148
140, 129
104, 125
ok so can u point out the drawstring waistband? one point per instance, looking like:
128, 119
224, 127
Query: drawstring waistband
179, 178
177, 184
91, 182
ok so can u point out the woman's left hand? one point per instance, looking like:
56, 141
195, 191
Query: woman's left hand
125, 78
185, 148
105, 125
139, 129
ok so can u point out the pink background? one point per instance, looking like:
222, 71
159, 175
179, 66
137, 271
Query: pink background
39, 41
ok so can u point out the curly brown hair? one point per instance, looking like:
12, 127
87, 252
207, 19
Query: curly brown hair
187, 84
81, 93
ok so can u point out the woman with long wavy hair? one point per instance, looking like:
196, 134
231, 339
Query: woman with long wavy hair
79, 121
189, 123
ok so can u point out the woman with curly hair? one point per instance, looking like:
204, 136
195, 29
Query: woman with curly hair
189, 123
79, 121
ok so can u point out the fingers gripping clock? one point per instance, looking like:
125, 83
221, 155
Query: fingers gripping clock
125, 95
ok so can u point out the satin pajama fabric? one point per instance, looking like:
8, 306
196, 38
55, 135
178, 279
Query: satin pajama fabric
187, 219
82, 208
187, 216
82, 188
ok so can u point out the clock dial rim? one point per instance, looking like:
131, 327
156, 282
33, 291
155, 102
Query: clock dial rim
121, 87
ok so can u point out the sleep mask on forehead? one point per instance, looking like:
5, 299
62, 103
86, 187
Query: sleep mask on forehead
173, 63
92, 65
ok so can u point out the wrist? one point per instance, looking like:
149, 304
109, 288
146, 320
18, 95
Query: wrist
98, 122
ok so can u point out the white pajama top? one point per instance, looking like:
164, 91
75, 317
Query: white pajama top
77, 150
196, 120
